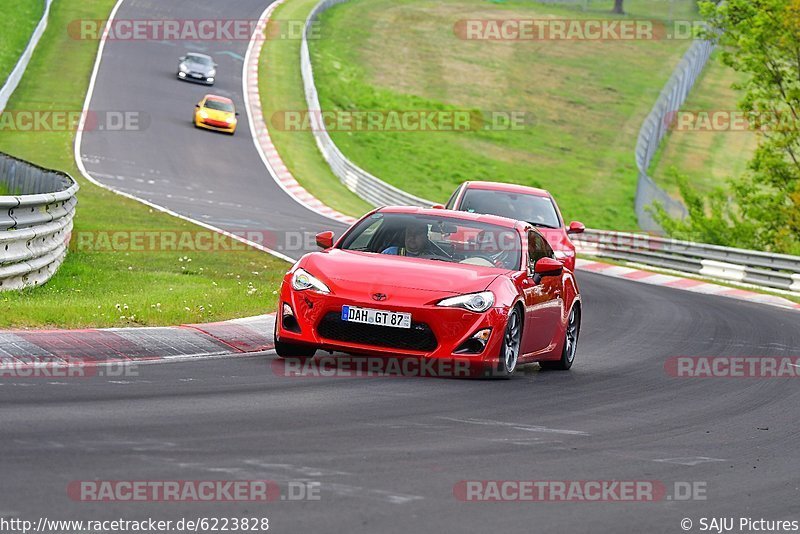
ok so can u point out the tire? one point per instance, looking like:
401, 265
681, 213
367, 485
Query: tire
510, 347
291, 350
570, 343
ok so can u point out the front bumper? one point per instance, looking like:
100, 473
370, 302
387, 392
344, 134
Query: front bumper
436, 332
196, 78
218, 126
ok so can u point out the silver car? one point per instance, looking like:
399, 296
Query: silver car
200, 68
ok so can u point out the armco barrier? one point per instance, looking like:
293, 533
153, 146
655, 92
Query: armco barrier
775, 271
35, 222
19, 69
372, 189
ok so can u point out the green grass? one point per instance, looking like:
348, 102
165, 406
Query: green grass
20, 17
707, 158
588, 98
118, 288
281, 89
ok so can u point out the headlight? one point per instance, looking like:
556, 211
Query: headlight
230, 120
476, 302
203, 114
302, 280
183, 68
212, 73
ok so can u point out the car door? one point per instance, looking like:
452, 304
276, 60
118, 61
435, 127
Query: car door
543, 299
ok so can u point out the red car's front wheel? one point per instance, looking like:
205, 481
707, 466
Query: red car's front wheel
510, 346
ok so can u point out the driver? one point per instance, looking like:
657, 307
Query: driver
417, 243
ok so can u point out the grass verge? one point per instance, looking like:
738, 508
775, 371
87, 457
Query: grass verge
707, 157
95, 288
20, 18
280, 86
588, 98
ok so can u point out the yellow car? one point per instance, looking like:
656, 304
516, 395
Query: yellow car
216, 113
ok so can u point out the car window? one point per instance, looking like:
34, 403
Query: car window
220, 106
199, 59
453, 197
533, 209
438, 238
538, 248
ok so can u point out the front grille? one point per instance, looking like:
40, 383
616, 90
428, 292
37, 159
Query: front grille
419, 337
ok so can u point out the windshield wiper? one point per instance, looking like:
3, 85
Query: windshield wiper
542, 225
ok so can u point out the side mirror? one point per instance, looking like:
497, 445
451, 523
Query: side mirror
237, 113
548, 267
197, 105
182, 58
438, 206
575, 228
325, 240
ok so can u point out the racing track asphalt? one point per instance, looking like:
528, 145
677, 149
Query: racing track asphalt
388, 451
209, 176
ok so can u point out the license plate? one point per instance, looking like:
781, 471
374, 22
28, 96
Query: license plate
355, 314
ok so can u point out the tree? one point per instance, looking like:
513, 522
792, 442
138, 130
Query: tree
618, 7
760, 38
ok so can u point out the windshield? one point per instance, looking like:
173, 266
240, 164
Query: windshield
221, 106
536, 210
203, 60
436, 238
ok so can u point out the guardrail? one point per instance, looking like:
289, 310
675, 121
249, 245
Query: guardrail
35, 222
19, 69
370, 188
763, 269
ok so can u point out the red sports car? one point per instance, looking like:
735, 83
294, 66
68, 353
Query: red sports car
482, 291
536, 206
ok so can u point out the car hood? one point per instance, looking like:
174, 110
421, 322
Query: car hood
218, 115
347, 267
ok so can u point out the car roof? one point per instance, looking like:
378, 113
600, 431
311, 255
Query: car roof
510, 188
452, 214
198, 54
219, 98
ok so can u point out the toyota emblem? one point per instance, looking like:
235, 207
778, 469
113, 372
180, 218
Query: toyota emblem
379, 296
